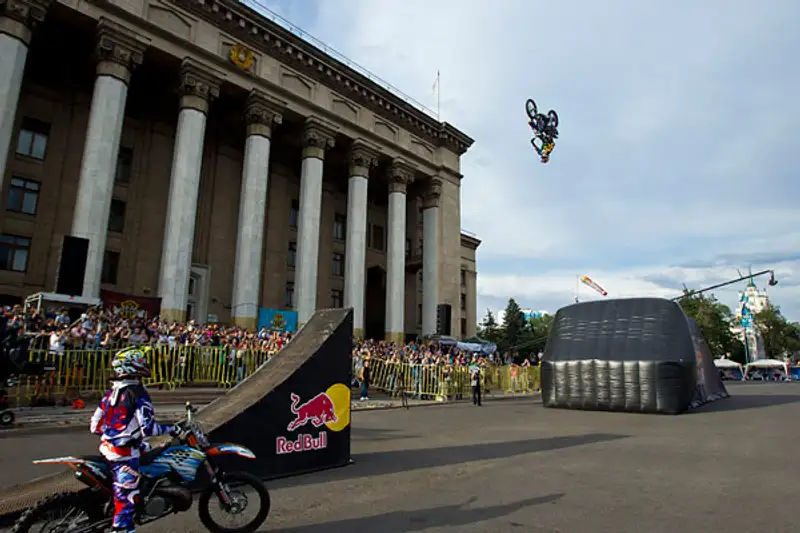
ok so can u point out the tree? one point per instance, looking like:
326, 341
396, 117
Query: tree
513, 325
781, 337
714, 321
537, 331
490, 330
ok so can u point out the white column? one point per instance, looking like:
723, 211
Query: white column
317, 138
119, 53
362, 159
430, 256
198, 90
261, 115
400, 175
15, 36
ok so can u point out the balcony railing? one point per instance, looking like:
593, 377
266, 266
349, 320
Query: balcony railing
310, 39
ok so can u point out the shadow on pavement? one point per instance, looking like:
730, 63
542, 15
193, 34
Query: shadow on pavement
740, 402
375, 434
392, 462
423, 519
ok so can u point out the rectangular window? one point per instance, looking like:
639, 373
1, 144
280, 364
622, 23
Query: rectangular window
294, 213
32, 140
110, 267
124, 165
291, 257
337, 298
463, 301
339, 227
338, 264
463, 278
23, 196
289, 294
419, 314
14, 252
377, 238
192, 285
463, 327
116, 216
408, 247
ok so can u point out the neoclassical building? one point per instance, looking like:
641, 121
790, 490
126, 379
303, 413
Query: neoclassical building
217, 161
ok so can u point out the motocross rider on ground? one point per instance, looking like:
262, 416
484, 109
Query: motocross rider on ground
123, 420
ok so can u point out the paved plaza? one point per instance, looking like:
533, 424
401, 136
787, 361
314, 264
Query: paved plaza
513, 466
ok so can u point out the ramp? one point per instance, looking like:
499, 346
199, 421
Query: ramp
709, 383
635, 355
293, 412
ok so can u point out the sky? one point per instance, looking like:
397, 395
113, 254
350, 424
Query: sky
678, 156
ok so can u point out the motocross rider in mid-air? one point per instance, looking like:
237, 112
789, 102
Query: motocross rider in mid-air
545, 129
123, 420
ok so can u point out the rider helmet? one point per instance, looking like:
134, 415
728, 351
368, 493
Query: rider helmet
132, 362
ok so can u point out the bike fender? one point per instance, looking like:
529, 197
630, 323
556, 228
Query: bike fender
59, 461
230, 449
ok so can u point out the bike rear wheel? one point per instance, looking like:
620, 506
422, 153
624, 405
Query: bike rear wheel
62, 513
237, 483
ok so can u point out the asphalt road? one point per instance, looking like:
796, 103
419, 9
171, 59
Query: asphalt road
514, 466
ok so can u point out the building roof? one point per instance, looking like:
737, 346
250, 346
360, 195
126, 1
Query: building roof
470, 240
318, 62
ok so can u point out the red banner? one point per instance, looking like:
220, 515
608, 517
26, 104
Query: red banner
129, 306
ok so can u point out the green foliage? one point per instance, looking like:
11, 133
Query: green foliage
781, 337
513, 325
714, 321
490, 330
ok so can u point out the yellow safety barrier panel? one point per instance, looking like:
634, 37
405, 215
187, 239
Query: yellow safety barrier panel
448, 382
51, 376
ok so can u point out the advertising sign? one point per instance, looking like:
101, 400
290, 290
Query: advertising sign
277, 320
129, 306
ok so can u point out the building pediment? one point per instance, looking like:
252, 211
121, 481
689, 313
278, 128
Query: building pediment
268, 37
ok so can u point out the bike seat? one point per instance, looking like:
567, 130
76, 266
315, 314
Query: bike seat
147, 457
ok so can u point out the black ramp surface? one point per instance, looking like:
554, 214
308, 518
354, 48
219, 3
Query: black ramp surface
303, 423
635, 355
709, 383
308, 352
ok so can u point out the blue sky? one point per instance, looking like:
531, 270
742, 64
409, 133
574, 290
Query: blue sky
678, 158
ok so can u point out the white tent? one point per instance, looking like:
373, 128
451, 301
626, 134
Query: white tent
767, 368
728, 369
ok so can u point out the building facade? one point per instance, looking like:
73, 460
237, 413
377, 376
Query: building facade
217, 161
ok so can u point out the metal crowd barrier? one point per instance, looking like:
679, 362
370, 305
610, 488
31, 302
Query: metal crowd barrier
445, 382
53, 376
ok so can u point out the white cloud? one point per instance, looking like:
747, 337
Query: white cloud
678, 132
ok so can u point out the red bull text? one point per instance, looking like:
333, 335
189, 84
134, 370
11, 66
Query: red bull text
303, 443
317, 411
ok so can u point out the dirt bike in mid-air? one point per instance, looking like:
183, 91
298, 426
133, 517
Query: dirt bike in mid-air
545, 130
166, 472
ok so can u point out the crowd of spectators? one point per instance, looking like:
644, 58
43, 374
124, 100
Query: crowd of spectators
99, 329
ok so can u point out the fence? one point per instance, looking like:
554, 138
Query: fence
62, 375
52, 375
449, 382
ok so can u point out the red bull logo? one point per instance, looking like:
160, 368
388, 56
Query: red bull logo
329, 410
317, 411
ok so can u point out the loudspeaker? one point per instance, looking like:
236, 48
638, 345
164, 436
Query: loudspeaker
72, 265
444, 316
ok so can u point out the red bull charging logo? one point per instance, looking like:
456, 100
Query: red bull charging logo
329, 409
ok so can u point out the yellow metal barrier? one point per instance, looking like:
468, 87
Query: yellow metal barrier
448, 382
63, 376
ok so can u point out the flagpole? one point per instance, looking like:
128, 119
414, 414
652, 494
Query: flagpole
438, 96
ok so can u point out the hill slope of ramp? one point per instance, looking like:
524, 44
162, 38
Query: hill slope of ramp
326, 338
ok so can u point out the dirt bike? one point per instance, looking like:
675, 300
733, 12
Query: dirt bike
545, 129
166, 471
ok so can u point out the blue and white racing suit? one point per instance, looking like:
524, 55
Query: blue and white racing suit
124, 418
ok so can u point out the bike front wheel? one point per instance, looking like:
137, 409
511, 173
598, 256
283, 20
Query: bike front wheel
530, 108
242, 487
